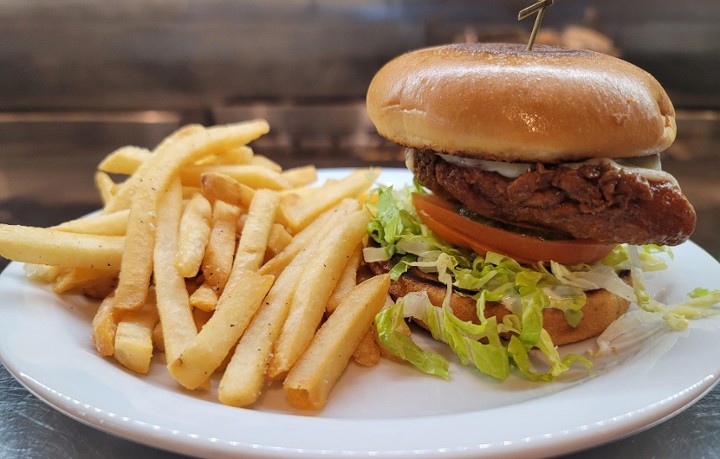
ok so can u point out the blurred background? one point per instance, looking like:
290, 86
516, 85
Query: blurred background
79, 78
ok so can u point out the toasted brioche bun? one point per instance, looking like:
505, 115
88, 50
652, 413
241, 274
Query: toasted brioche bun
600, 310
501, 102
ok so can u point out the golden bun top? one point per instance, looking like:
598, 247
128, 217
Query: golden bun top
502, 102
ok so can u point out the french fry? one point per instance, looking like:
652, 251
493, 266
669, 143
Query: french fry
241, 222
264, 161
244, 376
238, 155
296, 212
220, 259
220, 250
253, 176
173, 304
347, 280
297, 193
159, 171
251, 248
313, 290
157, 337
193, 283
256, 231
42, 273
300, 176
312, 378
133, 338
124, 160
29, 244
201, 317
99, 288
204, 298
212, 344
113, 224
367, 352
104, 325
278, 239
105, 186
222, 187
240, 298
194, 234
189, 191
330, 217
76, 278
123, 196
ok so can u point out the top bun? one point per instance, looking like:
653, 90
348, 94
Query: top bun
502, 102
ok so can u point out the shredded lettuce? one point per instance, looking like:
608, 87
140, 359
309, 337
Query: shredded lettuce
395, 336
497, 349
464, 338
639, 259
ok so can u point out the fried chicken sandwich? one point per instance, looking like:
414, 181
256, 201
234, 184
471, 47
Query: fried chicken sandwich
538, 188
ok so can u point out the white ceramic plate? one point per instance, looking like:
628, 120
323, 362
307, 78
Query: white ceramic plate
388, 410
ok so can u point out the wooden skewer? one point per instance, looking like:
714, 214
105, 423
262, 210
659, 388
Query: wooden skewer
539, 8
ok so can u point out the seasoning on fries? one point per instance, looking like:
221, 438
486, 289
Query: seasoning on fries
313, 376
218, 261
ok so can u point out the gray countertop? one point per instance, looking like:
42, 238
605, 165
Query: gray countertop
31, 429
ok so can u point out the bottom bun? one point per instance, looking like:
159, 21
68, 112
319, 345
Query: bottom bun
600, 310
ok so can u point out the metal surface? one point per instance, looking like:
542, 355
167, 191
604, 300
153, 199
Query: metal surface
188, 55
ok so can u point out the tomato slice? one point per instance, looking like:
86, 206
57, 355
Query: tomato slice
442, 219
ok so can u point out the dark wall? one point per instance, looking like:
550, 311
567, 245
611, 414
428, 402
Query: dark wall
195, 54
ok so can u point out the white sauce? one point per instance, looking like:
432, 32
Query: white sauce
648, 167
510, 170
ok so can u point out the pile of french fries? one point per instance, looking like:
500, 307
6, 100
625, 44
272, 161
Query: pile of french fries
240, 273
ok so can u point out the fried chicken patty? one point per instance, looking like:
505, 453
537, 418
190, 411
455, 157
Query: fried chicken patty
594, 200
